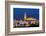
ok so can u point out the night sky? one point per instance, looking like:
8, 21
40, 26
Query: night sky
18, 13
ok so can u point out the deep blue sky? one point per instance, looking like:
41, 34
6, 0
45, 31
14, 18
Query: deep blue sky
18, 13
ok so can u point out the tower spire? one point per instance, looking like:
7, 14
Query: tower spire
24, 15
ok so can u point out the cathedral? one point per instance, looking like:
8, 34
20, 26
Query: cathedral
29, 19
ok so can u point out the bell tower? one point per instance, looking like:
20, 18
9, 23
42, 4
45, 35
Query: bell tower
25, 16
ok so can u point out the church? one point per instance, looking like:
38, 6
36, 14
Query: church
30, 19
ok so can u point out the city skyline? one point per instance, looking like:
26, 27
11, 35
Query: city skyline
19, 13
